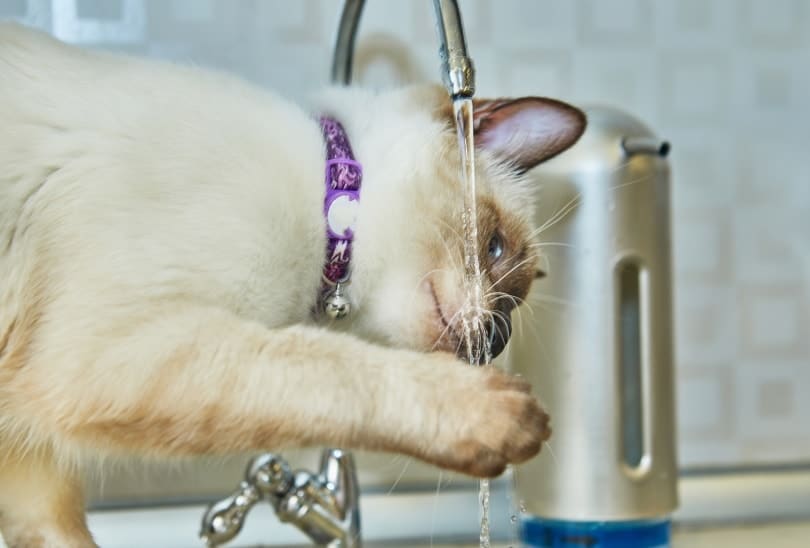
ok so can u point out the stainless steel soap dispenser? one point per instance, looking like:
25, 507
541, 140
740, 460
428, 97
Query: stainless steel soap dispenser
597, 344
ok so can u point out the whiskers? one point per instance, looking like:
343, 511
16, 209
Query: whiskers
574, 202
538, 299
547, 447
495, 296
472, 315
537, 245
558, 216
435, 507
401, 474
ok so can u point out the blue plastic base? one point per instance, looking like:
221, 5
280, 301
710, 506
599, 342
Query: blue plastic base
543, 533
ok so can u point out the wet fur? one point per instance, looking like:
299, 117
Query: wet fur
161, 243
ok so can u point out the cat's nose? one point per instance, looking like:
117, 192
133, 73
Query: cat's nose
495, 334
499, 331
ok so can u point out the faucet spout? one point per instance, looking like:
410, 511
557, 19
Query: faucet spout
457, 71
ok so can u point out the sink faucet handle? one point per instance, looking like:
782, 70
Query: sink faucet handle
267, 476
224, 519
323, 506
270, 474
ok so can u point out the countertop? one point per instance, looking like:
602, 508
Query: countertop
770, 535
773, 535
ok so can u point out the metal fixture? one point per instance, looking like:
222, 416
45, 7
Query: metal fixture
323, 506
457, 71
599, 348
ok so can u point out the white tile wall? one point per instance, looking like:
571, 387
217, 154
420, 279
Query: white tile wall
726, 81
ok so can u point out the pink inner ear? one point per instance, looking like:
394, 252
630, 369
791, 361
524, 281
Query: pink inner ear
524, 132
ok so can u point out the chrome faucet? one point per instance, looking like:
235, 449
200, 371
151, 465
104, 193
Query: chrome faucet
458, 74
323, 506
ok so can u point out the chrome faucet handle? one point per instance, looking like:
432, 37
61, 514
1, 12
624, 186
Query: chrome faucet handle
266, 475
224, 519
323, 506
270, 474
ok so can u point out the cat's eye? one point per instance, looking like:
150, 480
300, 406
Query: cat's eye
495, 250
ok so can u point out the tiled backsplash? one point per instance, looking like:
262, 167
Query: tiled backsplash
726, 81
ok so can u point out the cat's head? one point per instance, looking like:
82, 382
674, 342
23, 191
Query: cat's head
408, 273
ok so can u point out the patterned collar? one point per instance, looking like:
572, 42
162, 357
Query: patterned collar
343, 177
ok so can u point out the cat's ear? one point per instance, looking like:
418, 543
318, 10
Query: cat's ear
524, 132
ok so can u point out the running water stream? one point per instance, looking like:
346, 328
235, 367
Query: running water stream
473, 316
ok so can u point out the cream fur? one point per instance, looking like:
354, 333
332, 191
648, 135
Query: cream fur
161, 242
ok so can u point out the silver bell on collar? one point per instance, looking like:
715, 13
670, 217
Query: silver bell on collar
336, 305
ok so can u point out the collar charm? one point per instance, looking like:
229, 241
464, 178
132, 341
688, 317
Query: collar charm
343, 177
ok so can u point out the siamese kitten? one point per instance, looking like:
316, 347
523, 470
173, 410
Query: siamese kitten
162, 241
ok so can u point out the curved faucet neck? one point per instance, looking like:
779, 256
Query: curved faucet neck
457, 71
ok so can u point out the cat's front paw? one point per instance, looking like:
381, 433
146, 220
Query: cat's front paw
501, 423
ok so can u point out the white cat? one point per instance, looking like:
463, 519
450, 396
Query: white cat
162, 241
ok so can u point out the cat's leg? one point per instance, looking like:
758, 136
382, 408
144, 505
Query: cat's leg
41, 503
199, 380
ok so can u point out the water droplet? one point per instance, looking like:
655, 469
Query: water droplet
513, 519
522, 507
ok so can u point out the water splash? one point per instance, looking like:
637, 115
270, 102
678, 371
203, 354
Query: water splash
472, 317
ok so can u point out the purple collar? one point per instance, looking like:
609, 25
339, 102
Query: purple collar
343, 177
